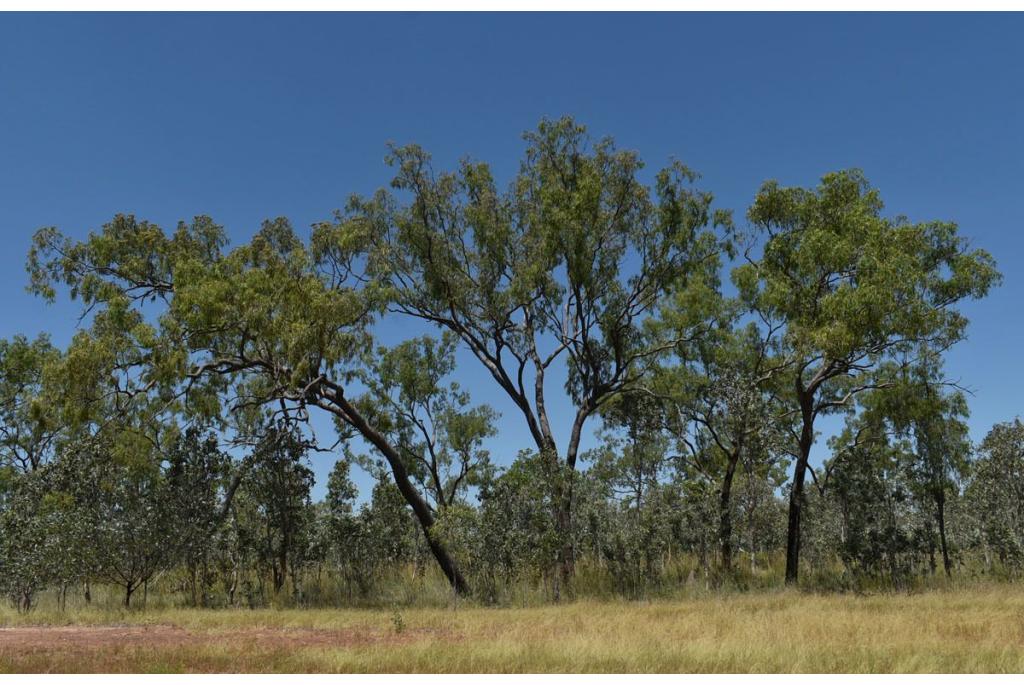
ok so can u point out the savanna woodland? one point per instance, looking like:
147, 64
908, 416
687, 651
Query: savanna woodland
162, 458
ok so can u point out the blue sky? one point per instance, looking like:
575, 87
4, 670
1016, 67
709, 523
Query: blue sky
246, 117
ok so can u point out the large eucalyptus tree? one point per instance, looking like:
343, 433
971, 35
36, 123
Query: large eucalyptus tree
850, 289
562, 269
261, 333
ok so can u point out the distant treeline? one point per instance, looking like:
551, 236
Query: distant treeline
585, 280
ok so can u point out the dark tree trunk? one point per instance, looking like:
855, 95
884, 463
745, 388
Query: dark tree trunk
725, 511
564, 490
412, 496
796, 493
277, 577
128, 590
204, 589
796, 496
281, 571
566, 562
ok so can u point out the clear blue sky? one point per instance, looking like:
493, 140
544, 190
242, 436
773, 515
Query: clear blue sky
246, 117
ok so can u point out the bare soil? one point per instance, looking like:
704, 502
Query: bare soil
90, 638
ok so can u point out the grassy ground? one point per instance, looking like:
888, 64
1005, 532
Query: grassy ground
977, 630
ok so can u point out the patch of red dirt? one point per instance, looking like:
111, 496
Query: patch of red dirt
88, 638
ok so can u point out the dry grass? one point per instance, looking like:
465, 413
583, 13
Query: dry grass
977, 630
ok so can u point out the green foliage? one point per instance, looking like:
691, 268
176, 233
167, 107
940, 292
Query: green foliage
111, 469
847, 291
28, 428
996, 495
438, 433
44, 541
569, 264
850, 283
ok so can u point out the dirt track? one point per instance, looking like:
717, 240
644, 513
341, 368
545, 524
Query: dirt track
86, 638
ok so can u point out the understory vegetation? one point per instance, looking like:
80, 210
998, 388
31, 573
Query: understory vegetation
162, 458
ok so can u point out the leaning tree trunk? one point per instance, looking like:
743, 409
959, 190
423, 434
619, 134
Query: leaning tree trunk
229, 494
340, 406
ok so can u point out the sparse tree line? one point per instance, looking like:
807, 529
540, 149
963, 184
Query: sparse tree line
170, 441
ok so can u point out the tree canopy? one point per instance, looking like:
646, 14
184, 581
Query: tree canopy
171, 438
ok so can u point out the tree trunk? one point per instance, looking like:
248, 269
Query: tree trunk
564, 489
128, 590
229, 495
563, 526
233, 587
204, 589
753, 540
424, 517
940, 506
281, 570
276, 577
296, 585
796, 493
725, 511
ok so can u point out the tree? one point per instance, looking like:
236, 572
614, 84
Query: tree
518, 535
629, 468
128, 501
387, 530
268, 330
196, 476
935, 421
996, 491
567, 265
635, 451
438, 433
759, 511
867, 479
722, 409
28, 429
278, 484
343, 529
847, 288
44, 539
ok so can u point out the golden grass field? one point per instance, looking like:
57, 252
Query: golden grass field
978, 630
